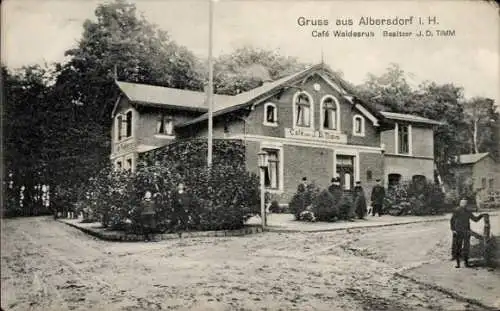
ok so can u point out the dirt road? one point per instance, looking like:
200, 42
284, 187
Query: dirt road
47, 265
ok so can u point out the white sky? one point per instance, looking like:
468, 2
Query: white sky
41, 30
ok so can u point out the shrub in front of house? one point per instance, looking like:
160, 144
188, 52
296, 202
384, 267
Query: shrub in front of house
302, 199
323, 207
320, 204
223, 197
410, 198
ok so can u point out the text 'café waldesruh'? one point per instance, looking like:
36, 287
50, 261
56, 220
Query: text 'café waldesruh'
310, 123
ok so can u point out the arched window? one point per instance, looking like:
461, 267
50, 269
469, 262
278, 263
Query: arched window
119, 125
270, 114
303, 110
129, 124
330, 113
358, 125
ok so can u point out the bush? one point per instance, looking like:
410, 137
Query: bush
275, 207
301, 200
321, 203
323, 207
223, 197
407, 198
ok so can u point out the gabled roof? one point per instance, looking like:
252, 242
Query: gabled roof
150, 95
409, 118
269, 89
247, 98
472, 158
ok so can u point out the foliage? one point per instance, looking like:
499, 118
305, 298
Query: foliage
26, 144
392, 91
307, 216
247, 68
321, 203
301, 200
222, 197
481, 118
324, 208
415, 198
274, 207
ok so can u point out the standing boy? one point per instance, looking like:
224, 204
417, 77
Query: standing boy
460, 226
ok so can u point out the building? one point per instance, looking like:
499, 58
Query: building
479, 171
310, 123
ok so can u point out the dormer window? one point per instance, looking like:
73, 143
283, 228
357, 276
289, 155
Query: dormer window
303, 110
270, 114
165, 125
358, 125
330, 113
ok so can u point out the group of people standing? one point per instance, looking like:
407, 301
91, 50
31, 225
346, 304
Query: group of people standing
358, 207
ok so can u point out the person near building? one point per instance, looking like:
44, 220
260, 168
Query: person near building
148, 216
181, 206
377, 198
336, 192
460, 227
302, 187
359, 200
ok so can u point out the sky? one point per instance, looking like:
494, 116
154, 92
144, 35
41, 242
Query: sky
40, 31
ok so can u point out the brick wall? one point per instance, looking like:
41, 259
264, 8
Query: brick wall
285, 114
314, 163
373, 162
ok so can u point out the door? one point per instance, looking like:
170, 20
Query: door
345, 170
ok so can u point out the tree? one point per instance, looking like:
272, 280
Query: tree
480, 116
26, 133
248, 68
389, 91
442, 103
119, 44
392, 92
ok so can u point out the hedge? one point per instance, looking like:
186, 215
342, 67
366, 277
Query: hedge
223, 197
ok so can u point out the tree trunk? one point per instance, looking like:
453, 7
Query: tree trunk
475, 137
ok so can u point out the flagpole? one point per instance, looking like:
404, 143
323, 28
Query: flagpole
210, 84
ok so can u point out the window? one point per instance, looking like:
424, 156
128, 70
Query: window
165, 125
272, 174
369, 175
129, 164
303, 109
119, 127
403, 132
330, 114
129, 124
270, 114
483, 183
491, 184
358, 125
119, 165
394, 179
